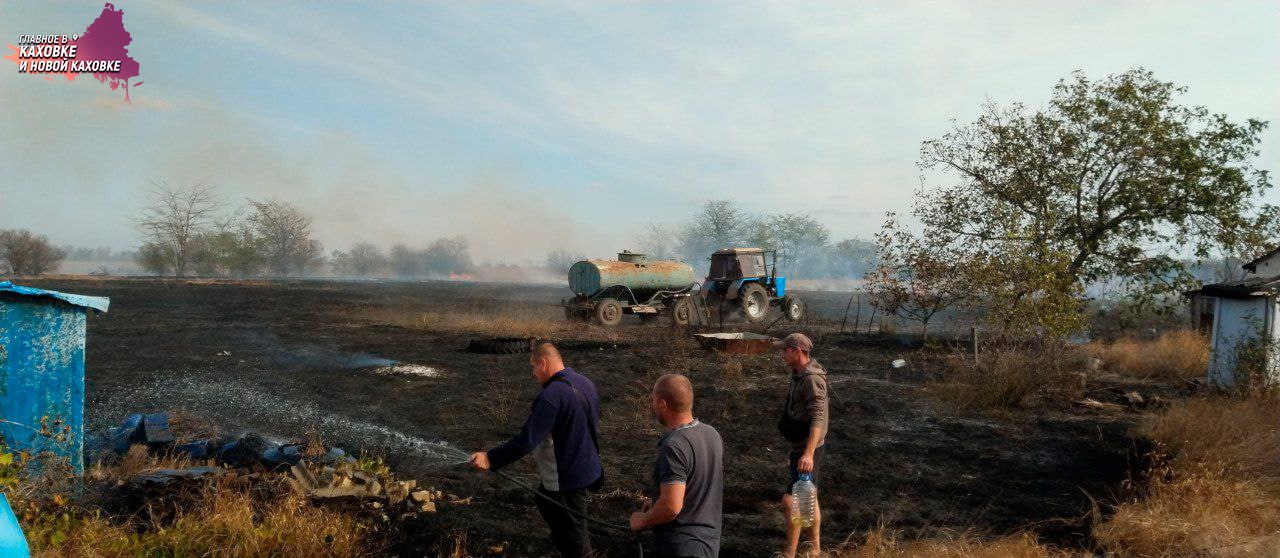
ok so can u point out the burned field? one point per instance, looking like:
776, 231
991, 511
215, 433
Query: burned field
382, 366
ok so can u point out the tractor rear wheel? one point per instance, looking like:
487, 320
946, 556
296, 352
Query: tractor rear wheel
792, 308
608, 312
755, 302
680, 311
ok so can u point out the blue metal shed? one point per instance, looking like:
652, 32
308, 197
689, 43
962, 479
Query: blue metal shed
42, 369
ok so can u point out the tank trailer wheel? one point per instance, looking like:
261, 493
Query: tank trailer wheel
755, 303
792, 308
609, 312
680, 311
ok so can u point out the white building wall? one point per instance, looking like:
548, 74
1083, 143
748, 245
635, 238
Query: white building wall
1268, 267
1238, 321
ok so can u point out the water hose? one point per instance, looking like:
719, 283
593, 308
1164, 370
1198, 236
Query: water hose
589, 519
464, 458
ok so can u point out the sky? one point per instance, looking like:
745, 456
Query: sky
530, 127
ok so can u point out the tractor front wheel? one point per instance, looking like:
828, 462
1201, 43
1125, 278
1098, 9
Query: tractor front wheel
608, 312
755, 302
792, 308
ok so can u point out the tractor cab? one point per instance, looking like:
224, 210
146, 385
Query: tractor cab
730, 264
748, 277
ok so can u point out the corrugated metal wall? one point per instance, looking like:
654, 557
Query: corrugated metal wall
42, 374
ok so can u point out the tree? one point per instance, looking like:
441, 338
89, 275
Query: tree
284, 234
718, 224
448, 255
1114, 174
24, 253
171, 222
362, 260
405, 261
915, 279
657, 241
851, 257
560, 261
801, 242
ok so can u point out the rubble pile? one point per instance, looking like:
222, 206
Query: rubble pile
325, 475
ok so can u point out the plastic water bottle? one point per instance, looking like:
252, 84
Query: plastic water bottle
804, 501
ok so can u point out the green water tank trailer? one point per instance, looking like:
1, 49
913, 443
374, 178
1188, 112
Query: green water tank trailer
644, 277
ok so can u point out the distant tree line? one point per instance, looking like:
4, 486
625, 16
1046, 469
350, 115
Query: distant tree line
98, 254
186, 231
805, 247
189, 231
442, 257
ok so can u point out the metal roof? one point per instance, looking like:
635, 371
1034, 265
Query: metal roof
95, 302
740, 251
1253, 265
1245, 288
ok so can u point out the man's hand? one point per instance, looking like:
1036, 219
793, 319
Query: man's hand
644, 507
480, 460
805, 464
637, 522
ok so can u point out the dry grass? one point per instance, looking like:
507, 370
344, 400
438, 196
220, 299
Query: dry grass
1004, 380
229, 517
1221, 488
884, 543
1190, 516
1238, 436
1174, 355
513, 323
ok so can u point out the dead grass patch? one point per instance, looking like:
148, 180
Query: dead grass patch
231, 517
512, 323
1006, 379
1174, 355
882, 542
1238, 436
1190, 516
1219, 489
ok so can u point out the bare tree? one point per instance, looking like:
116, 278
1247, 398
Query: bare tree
24, 253
657, 241
284, 234
915, 279
172, 221
560, 261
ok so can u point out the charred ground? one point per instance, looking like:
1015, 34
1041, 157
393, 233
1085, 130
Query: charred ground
248, 353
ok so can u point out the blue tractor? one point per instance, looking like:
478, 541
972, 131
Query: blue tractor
742, 277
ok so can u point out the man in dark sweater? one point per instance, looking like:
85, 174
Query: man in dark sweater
685, 505
561, 433
804, 425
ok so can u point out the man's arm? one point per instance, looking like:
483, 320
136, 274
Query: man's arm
670, 502
816, 404
536, 429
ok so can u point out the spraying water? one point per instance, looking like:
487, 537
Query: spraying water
231, 403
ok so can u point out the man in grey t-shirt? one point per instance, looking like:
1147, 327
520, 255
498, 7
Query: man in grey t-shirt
684, 509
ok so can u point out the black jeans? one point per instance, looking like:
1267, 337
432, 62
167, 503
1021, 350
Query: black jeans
568, 530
